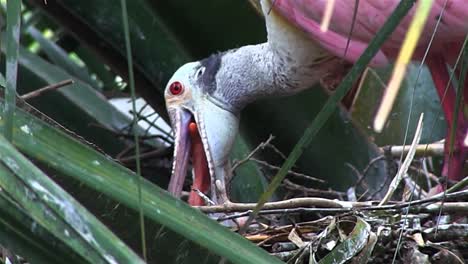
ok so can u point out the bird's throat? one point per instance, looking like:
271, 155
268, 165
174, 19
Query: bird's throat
201, 181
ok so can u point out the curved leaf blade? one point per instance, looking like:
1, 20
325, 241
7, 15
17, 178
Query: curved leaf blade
57, 211
101, 173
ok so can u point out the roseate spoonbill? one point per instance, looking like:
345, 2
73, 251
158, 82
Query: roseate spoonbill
204, 98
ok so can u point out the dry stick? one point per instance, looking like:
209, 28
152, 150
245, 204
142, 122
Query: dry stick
248, 157
47, 88
311, 191
434, 149
413, 189
277, 151
447, 207
368, 167
299, 205
290, 172
147, 121
405, 166
204, 197
291, 203
428, 174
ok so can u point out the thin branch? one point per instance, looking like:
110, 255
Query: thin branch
290, 172
428, 174
447, 207
291, 203
152, 124
277, 151
248, 157
311, 191
47, 88
204, 197
327, 204
367, 168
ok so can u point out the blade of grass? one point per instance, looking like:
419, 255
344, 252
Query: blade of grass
459, 96
58, 212
12, 43
131, 79
400, 11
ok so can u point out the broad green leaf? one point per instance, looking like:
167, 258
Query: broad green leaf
158, 53
84, 104
79, 93
351, 246
61, 58
12, 45
421, 94
96, 66
404, 57
248, 182
19, 232
101, 173
57, 211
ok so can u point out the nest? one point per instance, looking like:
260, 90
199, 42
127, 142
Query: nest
407, 225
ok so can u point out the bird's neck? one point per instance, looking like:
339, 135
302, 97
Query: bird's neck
258, 71
288, 63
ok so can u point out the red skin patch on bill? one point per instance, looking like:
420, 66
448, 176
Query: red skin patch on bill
201, 179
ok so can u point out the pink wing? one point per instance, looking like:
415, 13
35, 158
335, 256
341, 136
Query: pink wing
371, 15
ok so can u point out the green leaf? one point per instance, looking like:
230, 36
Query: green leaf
425, 100
79, 93
101, 173
61, 58
2, 81
351, 246
19, 232
248, 183
12, 44
57, 211
84, 104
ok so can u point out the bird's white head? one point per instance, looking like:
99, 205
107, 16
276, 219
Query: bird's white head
190, 99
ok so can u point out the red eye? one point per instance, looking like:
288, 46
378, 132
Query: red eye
176, 88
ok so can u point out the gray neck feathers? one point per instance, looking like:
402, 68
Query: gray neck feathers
255, 72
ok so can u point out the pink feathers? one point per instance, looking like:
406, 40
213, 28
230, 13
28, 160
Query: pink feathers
371, 15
